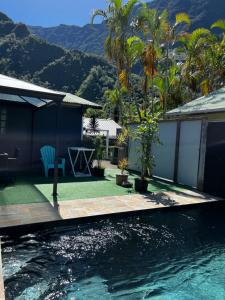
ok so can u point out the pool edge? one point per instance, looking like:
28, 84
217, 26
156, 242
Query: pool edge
94, 218
2, 288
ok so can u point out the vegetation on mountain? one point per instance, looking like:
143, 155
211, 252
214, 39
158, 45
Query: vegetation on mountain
97, 82
87, 39
91, 38
25, 56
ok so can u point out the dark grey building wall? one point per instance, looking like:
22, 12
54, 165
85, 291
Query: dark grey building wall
17, 133
29, 129
70, 127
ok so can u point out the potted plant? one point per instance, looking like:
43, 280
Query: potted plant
98, 170
122, 178
146, 134
121, 141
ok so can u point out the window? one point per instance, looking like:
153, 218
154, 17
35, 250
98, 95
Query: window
3, 119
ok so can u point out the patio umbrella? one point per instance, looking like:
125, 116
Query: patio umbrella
36, 96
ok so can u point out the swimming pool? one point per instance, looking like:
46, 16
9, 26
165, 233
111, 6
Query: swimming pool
166, 255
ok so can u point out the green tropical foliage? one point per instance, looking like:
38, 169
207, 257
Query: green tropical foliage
149, 39
146, 134
25, 56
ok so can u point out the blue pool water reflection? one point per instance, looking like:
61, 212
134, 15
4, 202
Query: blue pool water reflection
166, 255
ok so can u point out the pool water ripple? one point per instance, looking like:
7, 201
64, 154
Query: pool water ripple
170, 255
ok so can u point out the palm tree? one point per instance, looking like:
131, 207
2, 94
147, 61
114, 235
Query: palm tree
219, 56
119, 18
114, 104
193, 46
160, 38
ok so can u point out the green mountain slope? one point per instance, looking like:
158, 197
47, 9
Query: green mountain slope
91, 38
28, 57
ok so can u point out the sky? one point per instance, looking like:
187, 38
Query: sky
51, 12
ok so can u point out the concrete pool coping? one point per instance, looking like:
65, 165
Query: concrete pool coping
12, 216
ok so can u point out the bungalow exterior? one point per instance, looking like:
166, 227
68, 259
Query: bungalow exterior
32, 116
192, 148
107, 128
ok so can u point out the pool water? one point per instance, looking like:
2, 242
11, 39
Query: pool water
162, 256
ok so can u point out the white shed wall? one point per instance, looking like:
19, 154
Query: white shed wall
188, 162
164, 152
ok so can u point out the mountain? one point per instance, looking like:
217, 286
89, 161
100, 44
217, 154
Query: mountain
28, 57
90, 38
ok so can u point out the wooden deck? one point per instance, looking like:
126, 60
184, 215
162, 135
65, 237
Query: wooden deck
24, 214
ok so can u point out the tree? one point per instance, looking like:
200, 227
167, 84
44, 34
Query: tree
119, 19
114, 104
147, 133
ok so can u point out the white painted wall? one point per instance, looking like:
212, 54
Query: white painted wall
134, 153
164, 152
188, 162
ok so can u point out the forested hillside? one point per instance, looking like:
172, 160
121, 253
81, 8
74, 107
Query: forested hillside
90, 38
25, 56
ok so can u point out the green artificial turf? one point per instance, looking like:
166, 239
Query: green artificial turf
39, 189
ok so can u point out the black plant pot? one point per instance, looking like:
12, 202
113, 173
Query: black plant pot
141, 185
121, 178
98, 172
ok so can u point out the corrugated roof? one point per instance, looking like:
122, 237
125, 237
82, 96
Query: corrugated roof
104, 124
73, 99
37, 102
214, 102
13, 83
12, 90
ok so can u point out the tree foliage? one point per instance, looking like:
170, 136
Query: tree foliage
27, 57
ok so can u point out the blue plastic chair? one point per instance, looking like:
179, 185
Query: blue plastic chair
48, 157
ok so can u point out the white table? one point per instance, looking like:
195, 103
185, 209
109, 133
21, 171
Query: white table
78, 153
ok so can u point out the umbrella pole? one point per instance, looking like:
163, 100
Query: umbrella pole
56, 162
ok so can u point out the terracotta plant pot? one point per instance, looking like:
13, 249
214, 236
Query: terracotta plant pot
120, 178
98, 172
141, 185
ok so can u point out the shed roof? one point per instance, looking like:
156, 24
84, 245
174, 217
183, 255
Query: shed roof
104, 125
73, 99
10, 85
15, 90
213, 102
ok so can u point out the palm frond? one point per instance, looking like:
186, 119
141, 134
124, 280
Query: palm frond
117, 3
182, 18
108, 47
135, 48
98, 13
129, 6
197, 34
164, 15
133, 39
219, 24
